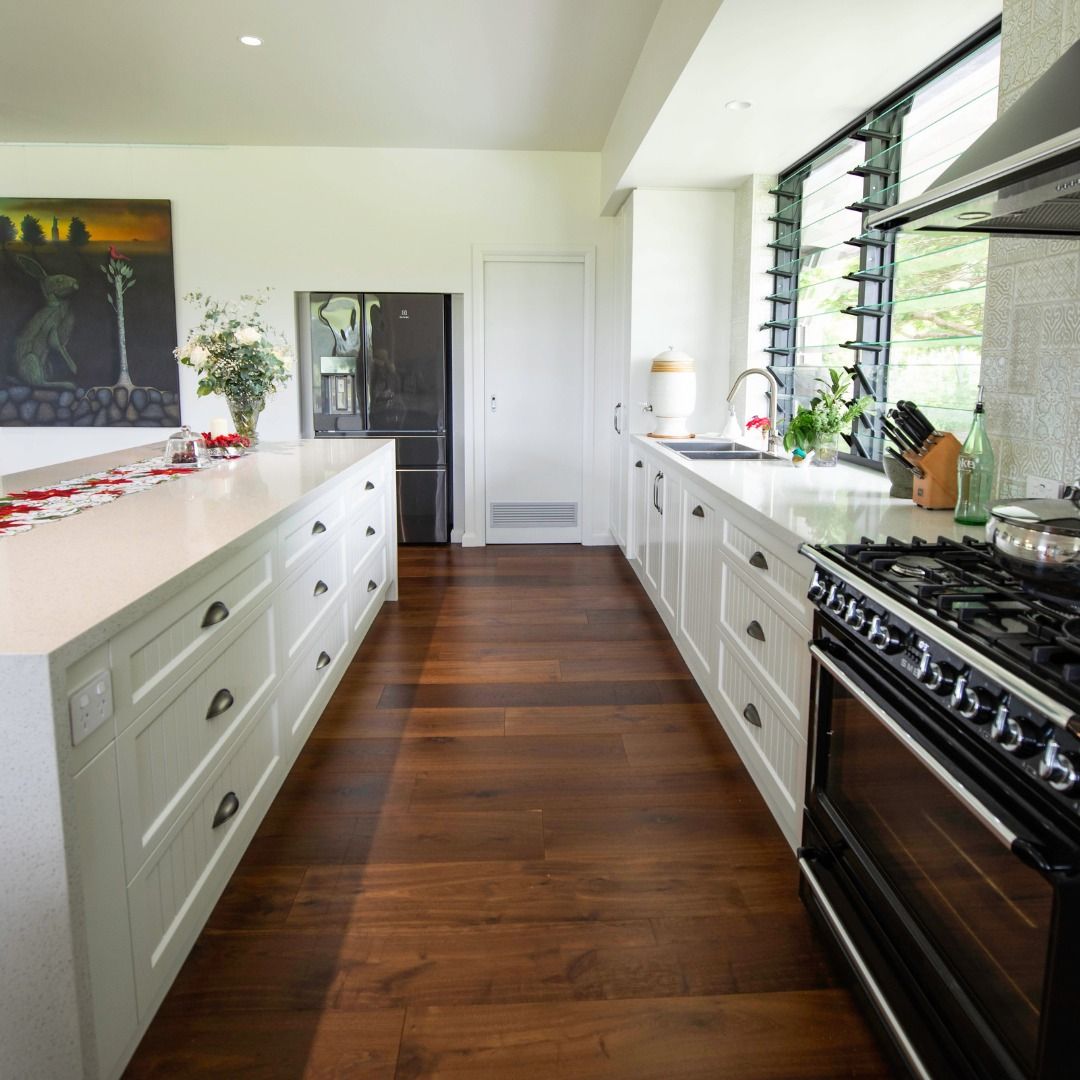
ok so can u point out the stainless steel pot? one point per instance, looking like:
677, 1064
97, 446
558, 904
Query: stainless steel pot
1039, 539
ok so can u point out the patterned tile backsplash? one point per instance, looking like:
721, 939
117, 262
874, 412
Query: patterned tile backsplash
1031, 332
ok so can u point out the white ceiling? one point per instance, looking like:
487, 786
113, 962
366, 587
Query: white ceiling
793, 59
480, 74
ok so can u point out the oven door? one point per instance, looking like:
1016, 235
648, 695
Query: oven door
937, 879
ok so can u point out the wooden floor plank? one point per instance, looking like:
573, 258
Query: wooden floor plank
518, 846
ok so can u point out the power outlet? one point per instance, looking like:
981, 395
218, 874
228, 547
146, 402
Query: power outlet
1039, 487
90, 706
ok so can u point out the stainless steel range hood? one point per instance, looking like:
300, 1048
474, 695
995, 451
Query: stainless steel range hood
1020, 177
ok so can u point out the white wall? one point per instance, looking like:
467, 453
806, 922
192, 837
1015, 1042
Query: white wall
297, 218
681, 294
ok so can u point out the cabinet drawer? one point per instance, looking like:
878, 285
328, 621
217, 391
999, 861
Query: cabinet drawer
365, 531
781, 749
778, 577
173, 894
147, 656
308, 683
774, 648
367, 588
166, 754
310, 596
367, 483
311, 530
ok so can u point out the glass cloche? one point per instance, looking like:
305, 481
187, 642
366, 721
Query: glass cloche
187, 448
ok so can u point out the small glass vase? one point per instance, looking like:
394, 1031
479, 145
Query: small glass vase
245, 416
825, 454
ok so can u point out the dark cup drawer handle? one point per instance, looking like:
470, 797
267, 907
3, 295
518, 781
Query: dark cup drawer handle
752, 716
759, 560
370, 530
324, 659
320, 587
371, 586
317, 528
755, 631
222, 702
637, 465
369, 486
698, 512
215, 613
229, 805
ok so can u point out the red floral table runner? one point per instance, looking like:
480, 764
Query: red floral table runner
22, 510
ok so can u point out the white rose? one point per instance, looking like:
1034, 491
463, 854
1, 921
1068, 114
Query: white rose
184, 352
198, 355
248, 335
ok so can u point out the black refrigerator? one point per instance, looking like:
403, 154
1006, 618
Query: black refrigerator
378, 367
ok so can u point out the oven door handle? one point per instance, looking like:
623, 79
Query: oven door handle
1027, 851
971, 801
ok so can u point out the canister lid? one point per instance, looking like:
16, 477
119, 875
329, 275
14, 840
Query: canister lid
671, 359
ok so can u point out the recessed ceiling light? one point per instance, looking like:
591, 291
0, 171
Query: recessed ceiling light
250, 39
738, 106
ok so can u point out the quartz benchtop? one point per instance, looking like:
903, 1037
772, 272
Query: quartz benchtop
81, 578
814, 505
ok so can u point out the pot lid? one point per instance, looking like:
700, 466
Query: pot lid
1046, 515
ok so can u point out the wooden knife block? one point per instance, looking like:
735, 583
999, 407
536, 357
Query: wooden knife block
936, 459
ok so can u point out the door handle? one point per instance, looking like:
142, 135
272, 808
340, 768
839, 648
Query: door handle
229, 805
751, 715
320, 587
317, 528
638, 464
222, 702
324, 659
492, 402
615, 418
659, 489
698, 512
758, 560
755, 631
655, 481
369, 486
370, 530
371, 586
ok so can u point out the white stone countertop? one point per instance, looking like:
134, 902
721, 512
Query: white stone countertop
818, 506
85, 575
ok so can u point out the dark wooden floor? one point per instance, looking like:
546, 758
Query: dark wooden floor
517, 846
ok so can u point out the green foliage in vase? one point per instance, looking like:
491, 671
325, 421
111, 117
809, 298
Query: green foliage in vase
827, 414
233, 350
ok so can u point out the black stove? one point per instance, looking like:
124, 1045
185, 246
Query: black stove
965, 591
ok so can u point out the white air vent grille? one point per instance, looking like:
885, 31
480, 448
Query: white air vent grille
534, 515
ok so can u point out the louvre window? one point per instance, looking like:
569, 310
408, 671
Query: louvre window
902, 312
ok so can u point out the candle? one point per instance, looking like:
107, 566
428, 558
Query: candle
219, 426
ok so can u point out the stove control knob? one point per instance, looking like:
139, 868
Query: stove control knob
854, 616
940, 677
837, 601
817, 589
883, 636
974, 704
1018, 736
1059, 769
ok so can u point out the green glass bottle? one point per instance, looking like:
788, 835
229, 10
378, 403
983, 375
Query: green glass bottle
975, 472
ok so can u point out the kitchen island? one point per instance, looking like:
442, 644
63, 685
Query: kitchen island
163, 657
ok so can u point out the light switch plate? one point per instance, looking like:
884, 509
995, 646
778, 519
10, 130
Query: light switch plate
1038, 487
90, 707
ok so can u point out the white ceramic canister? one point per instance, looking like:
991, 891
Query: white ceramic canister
672, 392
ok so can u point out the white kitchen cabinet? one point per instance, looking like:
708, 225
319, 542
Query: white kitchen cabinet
698, 579
639, 486
669, 499
218, 677
652, 563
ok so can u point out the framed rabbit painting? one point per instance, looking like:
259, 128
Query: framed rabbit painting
87, 313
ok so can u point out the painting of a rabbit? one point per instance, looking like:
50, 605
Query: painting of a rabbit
87, 313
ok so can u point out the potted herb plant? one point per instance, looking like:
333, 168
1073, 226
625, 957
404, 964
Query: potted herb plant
817, 426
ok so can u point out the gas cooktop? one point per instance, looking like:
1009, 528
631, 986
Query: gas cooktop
961, 587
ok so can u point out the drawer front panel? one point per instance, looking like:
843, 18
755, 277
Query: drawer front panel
172, 895
781, 749
308, 682
366, 531
149, 655
761, 563
311, 595
774, 648
164, 756
313, 529
367, 588
367, 484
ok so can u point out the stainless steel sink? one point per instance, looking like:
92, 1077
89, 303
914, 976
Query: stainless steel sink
679, 445
712, 450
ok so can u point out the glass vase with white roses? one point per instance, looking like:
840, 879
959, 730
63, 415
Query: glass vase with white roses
236, 354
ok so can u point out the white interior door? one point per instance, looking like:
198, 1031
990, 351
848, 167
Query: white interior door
534, 373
